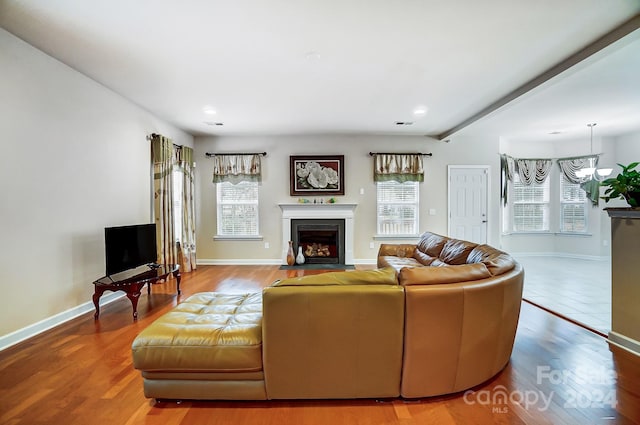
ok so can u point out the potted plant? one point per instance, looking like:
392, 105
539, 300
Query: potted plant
625, 185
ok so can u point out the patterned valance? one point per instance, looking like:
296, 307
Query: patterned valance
236, 168
533, 170
528, 170
568, 168
398, 167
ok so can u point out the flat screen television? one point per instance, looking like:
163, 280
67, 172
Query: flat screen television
128, 247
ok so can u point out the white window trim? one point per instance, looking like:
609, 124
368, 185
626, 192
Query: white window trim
510, 214
237, 238
399, 235
223, 237
561, 202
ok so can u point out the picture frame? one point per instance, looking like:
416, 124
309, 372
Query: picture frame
316, 175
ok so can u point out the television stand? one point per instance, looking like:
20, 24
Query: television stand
132, 283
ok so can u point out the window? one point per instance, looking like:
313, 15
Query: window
398, 206
530, 206
573, 207
178, 178
237, 209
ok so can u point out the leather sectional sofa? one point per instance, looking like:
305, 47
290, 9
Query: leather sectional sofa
435, 318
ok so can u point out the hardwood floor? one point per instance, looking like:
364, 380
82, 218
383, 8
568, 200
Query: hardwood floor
81, 373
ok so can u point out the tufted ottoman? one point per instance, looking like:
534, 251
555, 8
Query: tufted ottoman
207, 347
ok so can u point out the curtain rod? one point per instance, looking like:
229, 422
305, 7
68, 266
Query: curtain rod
557, 159
152, 135
400, 153
210, 154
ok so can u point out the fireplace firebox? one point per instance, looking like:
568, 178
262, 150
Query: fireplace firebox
322, 240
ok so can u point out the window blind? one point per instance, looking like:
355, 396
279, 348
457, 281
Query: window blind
237, 209
397, 208
530, 206
573, 207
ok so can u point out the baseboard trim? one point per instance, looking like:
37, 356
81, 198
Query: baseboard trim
367, 261
517, 255
34, 329
624, 342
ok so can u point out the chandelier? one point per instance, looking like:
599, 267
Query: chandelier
591, 172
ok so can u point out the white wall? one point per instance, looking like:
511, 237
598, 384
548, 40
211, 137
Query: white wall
358, 174
627, 149
74, 160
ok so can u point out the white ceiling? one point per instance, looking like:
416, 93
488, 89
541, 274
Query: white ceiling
348, 66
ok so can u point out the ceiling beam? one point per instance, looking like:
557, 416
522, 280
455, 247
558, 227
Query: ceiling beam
606, 40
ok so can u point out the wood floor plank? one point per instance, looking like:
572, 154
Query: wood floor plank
80, 372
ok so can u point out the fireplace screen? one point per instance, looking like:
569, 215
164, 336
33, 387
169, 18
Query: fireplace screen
322, 240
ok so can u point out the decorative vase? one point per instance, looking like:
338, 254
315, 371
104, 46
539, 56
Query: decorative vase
291, 258
300, 256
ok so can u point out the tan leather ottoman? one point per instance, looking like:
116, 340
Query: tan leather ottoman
207, 347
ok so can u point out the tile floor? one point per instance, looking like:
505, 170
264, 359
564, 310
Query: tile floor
576, 288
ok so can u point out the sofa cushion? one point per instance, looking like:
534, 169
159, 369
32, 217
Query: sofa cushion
456, 251
385, 276
424, 259
207, 332
498, 262
432, 244
447, 274
398, 262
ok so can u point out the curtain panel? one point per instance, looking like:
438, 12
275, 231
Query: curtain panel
163, 155
188, 242
568, 168
398, 167
507, 170
237, 168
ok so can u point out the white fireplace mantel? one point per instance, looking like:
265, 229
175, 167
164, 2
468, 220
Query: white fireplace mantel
319, 211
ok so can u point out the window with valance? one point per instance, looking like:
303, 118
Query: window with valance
237, 177
397, 177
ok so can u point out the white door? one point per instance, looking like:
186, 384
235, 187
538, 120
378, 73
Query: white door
468, 190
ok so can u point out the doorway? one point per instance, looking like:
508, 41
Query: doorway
468, 192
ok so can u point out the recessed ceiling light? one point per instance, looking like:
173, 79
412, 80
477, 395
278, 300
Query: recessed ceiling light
420, 110
209, 110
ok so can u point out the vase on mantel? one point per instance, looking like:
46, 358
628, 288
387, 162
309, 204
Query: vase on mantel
300, 256
291, 258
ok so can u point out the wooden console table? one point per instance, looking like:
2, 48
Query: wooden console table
132, 284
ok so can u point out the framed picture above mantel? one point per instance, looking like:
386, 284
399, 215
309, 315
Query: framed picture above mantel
316, 175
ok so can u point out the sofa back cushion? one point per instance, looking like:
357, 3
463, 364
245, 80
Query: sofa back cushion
498, 262
456, 251
397, 250
447, 274
432, 244
386, 276
424, 259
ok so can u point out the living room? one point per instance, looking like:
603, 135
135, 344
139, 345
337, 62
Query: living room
76, 160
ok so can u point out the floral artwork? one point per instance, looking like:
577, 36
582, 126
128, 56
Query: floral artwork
321, 175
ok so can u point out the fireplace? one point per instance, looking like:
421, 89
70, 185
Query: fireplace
322, 240
344, 212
